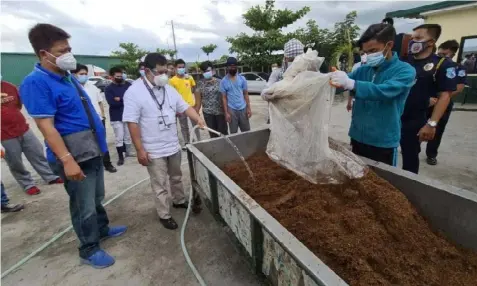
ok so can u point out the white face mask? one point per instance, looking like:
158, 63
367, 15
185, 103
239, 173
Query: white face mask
161, 80
65, 62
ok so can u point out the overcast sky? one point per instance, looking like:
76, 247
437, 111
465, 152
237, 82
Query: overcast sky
97, 27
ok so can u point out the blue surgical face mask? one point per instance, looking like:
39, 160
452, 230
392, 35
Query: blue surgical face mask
142, 73
82, 78
375, 59
125, 76
181, 71
208, 75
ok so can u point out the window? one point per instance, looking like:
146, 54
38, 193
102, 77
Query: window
468, 54
250, 76
264, 75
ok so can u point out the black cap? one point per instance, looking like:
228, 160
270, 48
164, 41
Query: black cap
231, 61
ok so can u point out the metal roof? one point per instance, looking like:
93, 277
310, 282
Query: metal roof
416, 12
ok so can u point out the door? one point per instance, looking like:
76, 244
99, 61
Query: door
254, 82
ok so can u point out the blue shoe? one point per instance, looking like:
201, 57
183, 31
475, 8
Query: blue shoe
116, 231
100, 259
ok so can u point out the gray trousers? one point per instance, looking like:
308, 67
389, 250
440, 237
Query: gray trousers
121, 133
238, 118
184, 123
34, 152
160, 170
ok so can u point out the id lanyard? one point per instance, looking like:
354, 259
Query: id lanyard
159, 105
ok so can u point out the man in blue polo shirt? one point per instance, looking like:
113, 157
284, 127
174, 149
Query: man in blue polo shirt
74, 135
235, 98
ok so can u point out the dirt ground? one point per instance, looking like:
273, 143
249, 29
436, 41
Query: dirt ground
150, 255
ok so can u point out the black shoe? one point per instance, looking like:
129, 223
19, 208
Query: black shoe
431, 161
11, 208
184, 205
120, 155
110, 168
184, 148
169, 223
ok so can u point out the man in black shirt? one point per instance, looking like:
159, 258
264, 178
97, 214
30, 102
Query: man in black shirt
435, 76
448, 49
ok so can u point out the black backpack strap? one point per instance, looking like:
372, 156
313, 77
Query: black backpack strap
84, 101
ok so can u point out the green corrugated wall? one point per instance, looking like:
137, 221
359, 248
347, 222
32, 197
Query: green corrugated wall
15, 66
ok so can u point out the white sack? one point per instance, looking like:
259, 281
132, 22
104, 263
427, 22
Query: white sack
300, 108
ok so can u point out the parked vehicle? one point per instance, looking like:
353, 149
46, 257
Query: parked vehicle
256, 82
95, 71
102, 84
264, 75
199, 76
95, 79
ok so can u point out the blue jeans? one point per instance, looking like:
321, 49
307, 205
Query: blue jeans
88, 215
5, 199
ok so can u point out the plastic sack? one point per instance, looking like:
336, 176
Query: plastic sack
300, 109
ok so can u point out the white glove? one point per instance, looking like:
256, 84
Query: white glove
341, 79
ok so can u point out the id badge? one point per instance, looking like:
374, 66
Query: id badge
164, 122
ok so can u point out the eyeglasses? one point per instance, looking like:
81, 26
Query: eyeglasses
158, 72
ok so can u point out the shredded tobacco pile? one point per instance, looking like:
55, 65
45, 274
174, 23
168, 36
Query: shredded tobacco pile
365, 230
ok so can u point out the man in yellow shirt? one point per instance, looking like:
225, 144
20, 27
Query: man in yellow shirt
184, 85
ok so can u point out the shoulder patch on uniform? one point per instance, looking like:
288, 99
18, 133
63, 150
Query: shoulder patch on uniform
461, 73
450, 73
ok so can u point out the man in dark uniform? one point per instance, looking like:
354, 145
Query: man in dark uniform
448, 49
401, 41
434, 76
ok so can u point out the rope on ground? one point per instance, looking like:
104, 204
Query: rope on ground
59, 235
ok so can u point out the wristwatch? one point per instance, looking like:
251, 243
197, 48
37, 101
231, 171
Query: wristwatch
432, 123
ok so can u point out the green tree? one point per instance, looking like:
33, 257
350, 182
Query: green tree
344, 36
167, 52
194, 67
209, 49
222, 59
129, 55
346, 30
258, 49
345, 49
319, 39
